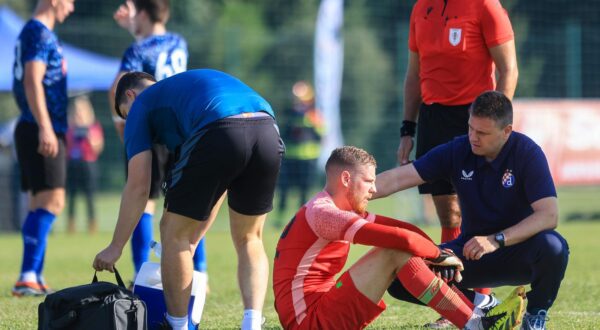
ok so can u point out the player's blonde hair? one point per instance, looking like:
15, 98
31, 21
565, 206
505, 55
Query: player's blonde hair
349, 157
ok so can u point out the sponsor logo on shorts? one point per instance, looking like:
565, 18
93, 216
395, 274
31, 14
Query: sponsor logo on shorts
508, 179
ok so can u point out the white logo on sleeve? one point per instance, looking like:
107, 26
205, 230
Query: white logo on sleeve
454, 36
467, 176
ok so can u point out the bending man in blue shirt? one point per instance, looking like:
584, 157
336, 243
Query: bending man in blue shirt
509, 206
225, 138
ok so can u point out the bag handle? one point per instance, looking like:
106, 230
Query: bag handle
117, 276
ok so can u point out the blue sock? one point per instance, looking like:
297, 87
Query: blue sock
140, 241
200, 257
35, 236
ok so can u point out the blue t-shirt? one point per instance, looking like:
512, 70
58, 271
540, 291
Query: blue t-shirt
493, 195
159, 55
172, 110
37, 43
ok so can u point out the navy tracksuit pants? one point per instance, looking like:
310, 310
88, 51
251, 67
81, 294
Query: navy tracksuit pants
540, 261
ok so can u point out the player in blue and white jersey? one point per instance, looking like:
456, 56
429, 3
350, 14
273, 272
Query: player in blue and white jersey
40, 90
161, 54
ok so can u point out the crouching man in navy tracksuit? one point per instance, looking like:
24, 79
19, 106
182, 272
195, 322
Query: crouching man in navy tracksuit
508, 203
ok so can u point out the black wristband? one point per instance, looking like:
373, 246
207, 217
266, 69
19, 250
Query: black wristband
408, 128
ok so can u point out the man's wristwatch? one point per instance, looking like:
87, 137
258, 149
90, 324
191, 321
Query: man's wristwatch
499, 237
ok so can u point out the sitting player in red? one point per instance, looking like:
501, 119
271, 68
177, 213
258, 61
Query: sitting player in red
314, 247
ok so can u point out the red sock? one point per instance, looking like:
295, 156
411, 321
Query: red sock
418, 279
449, 234
487, 291
463, 297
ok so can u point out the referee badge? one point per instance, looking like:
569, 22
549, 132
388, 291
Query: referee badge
508, 179
454, 36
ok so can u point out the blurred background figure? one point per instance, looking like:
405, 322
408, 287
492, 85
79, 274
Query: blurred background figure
85, 141
8, 154
302, 136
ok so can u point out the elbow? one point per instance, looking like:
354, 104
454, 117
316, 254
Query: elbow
511, 73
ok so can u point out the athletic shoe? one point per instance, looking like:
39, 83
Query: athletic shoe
28, 289
46, 288
535, 321
506, 315
441, 323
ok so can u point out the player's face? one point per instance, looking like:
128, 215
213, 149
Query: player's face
486, 137
124, 107
63, 8
361, 188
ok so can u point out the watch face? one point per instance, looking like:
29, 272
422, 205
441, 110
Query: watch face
500, 238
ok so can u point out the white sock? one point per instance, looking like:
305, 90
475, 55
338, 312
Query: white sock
29, 276
474, 322
252, 319
178, 323
484, 300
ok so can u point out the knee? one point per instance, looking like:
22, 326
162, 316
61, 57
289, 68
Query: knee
553, 247
52, 201
448, 211
395, 258
169, 233
450, 219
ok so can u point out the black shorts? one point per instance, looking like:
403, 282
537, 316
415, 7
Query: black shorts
160, 166
437, 125
239, 155
39, 173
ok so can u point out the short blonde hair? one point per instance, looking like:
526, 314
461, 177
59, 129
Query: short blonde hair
349, 157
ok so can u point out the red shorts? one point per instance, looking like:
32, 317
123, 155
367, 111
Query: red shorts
342, 307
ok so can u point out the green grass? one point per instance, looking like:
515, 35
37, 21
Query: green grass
69, 259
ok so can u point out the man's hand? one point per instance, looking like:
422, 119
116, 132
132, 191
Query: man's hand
106, 259
404, 149
124, 15
48, 143
479, 246
447, 266
446, 258
447, 273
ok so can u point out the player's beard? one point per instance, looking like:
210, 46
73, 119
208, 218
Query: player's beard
357, 203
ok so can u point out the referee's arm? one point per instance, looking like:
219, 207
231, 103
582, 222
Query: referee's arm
505, 59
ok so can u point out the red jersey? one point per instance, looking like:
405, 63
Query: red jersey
314, 247
452, 39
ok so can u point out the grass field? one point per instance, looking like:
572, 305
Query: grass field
69, 258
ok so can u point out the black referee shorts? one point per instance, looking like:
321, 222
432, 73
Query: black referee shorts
239, 155
39, 173
437, 125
